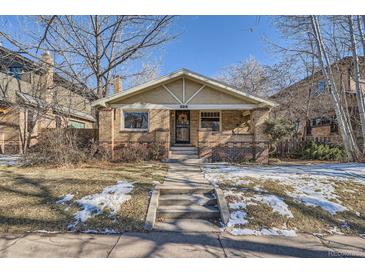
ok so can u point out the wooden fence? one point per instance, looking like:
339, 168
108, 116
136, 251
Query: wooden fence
285, 149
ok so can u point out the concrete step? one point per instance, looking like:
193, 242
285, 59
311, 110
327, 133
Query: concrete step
183, 152
191, 189
187, 200
183, 148
186, 225
183, 156
187, 212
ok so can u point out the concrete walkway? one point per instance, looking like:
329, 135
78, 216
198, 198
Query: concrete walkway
184, 174
172, 244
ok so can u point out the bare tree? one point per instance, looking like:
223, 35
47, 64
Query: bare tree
322, 43
357, 73
249, 76
149, 72
91, 50
345, 126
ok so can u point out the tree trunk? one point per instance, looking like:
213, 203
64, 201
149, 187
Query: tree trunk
357, 76
345, 127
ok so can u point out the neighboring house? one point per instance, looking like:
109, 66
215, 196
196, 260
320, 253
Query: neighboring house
308, 105
33, 97
186, 109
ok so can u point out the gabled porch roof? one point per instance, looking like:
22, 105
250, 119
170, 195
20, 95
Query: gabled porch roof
242, 100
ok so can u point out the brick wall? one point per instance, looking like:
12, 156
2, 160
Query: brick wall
113, 137
242, 135
194, 127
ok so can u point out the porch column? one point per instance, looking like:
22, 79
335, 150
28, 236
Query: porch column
260, 138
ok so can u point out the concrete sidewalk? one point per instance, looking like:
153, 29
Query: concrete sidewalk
173, 244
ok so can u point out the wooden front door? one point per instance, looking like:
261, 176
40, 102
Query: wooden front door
182, 127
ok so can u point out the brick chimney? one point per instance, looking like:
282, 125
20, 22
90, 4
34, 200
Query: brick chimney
47, 77
117, 84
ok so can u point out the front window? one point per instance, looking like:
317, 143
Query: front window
210, 120
75, 124
135, 120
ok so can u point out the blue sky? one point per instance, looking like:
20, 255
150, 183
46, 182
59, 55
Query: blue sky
206, 44
209, 43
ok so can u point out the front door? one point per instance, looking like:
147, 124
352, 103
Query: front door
182, 125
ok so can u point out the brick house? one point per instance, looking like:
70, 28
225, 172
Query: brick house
186, 109
308, 105
28, 88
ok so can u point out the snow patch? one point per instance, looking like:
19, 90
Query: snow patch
237, 218
103, 231
9, 160
240, 201
313, 184
276, 203
237, 205
264, 232
344, 171
112, 197
328, 206
65, 199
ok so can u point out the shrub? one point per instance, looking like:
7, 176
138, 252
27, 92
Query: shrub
278, 129
314, 151
60, 147
139, 152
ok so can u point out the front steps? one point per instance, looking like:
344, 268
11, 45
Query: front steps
183, 152
186, 201
192, 204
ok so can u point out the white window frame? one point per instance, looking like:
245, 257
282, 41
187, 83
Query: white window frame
210, 110
134, 129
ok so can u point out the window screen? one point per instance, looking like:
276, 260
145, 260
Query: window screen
210, 120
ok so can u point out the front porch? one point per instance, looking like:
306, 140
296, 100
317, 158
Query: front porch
219, 135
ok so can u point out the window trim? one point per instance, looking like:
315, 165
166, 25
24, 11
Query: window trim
122, 128
210, 110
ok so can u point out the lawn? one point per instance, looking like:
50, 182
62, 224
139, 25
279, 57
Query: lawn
286, 199
53, 199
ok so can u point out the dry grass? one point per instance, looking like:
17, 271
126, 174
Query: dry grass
307, 219
28, 195
262, 216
